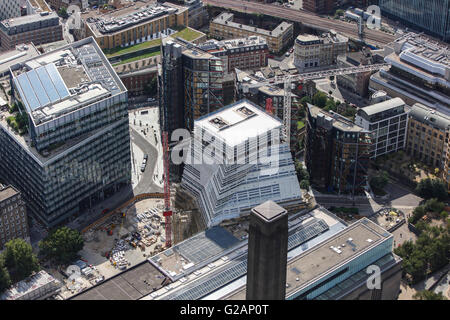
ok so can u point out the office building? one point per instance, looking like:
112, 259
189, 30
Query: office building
9, 9
428, 135
387, 121
135, 24
420, 72
245, 53
21, 53
312, 52
13, 216
267, 252
38, 286
75, 147
37, 28
337, 152
245, 170
191, 84
319, 6
223, 27
431, 16
277, 95
326, 260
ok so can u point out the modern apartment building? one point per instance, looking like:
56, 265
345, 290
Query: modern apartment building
38, 28
76, 146
312, 52
431, 16
420, 72
428, 135
387, 121
13, 216
135, 24
245, 53
9, 9
223, 27
191, 84
245, 169
198, 15
337, 152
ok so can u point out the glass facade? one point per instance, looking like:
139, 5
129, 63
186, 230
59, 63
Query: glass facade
430, 15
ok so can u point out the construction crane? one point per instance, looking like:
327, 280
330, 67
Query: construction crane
301, 78
167, 211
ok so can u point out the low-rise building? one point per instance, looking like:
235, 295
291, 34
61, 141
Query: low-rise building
9, 9
245, 53
313, 52
13, 216
135, 23
357, 83
38, 286
428, 135
38, 28
223, 27
21, 53
387, 121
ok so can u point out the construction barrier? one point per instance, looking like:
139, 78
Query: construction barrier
121, 207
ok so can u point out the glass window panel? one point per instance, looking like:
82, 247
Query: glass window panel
38, 89
57, 80
33, 101
48, 84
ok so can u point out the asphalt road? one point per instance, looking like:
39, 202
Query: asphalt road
306, 18
146, 183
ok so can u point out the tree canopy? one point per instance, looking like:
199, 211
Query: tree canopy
429, 295
320, 99
19, 259
62, 245
5, 279
379, 181
432, 188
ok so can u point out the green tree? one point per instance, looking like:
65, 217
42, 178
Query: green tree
151, 87
304, 184
428, 295
380, 181
61, 245
305, 100
5, 279
431, 188
320, 99
63, 12
330, 105
19, 259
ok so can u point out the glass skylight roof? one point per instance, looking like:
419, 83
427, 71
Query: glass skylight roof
41, 87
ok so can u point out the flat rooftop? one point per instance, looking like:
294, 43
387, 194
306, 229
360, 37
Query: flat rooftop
22, 53
226, 18
339, 122
328, 256
228, 123
132, 284
28, 19
29, 285
129, 16
214, 45
327, 37
7, 192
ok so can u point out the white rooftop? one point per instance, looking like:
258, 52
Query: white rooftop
238, 122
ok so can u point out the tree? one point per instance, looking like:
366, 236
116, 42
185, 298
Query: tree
380, 181
5, 279
304, 184
305, 100
431, 188
151, 87
428, 295
19, 259
330, 105
63, 12
62, 245
320, 99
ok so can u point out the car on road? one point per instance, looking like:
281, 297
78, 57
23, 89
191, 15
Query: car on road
145, 156
143, 167
288, 54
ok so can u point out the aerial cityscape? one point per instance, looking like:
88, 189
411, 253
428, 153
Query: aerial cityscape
224, 150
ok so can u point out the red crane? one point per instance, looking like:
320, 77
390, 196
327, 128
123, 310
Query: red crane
269, 106
167, 211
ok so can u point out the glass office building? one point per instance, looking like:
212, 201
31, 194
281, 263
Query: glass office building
76, 149
432, 16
